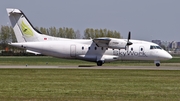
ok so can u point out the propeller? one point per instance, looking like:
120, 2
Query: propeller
128, 42
129, 37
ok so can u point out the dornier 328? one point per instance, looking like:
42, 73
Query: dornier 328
99, 50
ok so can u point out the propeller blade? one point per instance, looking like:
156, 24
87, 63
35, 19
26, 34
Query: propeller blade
129, 37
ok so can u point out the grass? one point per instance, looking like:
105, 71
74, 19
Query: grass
88, 85
38, 60
44, 60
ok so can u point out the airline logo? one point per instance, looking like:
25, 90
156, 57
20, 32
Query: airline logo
129, 53
45, 38
26, 30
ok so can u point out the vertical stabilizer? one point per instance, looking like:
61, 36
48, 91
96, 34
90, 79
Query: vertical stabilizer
23, 29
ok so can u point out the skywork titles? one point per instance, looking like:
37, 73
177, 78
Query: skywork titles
130, 53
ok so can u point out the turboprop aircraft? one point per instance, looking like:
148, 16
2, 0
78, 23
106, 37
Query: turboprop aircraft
99, 50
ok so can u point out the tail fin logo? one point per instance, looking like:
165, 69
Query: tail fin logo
26, 30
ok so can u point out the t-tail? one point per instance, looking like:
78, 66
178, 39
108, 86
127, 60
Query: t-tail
23, 29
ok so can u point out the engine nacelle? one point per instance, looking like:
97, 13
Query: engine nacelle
117, 44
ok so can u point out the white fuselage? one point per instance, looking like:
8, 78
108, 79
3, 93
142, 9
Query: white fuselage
89, 51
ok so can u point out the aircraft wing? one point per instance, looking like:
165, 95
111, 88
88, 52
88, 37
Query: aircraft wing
102, 42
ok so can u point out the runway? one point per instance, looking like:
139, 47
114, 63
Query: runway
92, 67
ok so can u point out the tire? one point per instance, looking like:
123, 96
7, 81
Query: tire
157, 64
99, 63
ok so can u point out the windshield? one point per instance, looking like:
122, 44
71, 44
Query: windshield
155, 47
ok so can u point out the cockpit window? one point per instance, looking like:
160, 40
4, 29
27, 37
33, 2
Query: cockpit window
158, 47
155, 47
152, 47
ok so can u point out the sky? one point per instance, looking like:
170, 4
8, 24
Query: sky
146, 19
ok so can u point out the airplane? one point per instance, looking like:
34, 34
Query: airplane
99, 50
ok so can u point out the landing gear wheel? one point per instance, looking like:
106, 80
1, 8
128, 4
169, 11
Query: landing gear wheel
99, 63
157, 64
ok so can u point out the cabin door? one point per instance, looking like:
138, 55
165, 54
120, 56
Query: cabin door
73, 51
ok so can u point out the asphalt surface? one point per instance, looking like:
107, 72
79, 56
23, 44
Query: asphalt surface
96, 67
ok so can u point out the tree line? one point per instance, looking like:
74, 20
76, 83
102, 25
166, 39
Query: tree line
7, 35
95, 33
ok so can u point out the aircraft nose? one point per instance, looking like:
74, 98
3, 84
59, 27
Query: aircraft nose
167, 56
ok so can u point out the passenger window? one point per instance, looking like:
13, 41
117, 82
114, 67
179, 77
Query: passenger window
131, 49
141, 49
82, 48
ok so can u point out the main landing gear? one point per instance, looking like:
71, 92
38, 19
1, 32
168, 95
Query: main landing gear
99, 63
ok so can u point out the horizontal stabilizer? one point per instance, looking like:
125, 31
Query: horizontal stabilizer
12, 10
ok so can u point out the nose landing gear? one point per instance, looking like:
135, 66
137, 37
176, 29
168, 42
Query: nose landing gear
157, 63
